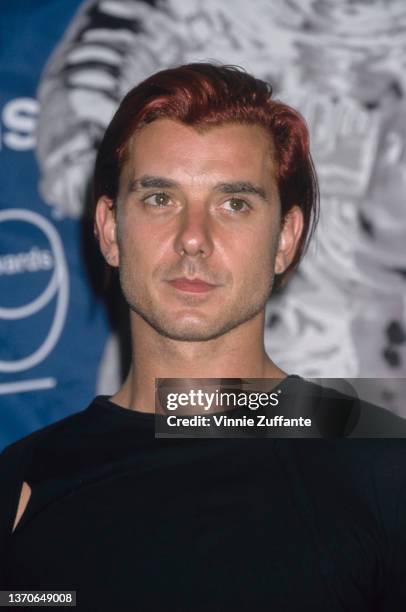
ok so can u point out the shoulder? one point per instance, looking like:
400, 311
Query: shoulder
364, 477
361, 450
21, 451
340, 411
16, 461
20, 459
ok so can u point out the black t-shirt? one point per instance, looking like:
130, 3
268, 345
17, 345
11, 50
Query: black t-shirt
131, 522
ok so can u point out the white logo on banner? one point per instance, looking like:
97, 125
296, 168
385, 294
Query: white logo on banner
19, 118
58, 287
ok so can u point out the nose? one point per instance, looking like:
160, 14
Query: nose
194, 236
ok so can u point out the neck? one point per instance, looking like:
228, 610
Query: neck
239, 353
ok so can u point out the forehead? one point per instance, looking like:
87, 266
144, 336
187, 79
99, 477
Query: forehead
168, 147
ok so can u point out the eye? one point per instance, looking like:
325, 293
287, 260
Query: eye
158, 200
237, 205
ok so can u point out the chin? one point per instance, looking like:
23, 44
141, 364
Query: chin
188, 332
194, 326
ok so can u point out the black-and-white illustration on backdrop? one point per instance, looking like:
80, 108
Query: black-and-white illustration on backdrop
342, 64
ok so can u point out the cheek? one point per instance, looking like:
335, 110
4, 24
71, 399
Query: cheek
257, 267
142, 252
130, 235
255, 254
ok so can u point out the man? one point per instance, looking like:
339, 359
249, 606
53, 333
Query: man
205, 197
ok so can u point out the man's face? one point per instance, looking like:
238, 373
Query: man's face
196, 205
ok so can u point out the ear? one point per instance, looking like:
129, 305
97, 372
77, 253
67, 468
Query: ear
292, 228
106, 230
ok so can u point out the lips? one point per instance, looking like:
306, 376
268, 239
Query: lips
194, 286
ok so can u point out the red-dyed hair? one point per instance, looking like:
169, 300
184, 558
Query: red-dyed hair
204, 94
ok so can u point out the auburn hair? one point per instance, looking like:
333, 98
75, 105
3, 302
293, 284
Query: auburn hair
204, 95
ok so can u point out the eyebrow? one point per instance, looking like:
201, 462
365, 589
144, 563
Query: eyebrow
241, 187
160, 182
147, 181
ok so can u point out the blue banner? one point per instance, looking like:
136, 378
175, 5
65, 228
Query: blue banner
52, 327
